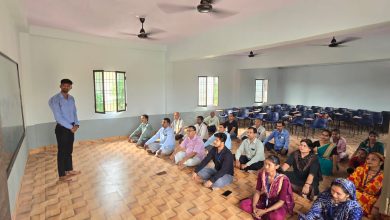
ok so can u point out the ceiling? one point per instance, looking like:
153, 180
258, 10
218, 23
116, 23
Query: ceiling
118, 18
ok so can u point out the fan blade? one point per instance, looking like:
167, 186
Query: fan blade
348, 39
155, 31
150, 38
170, 8
319, 45
214, 1
222, 13
339, 45
126, 33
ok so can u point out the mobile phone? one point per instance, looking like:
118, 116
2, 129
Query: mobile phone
226, 193
161, 173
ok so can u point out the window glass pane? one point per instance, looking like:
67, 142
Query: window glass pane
215, 101
99, 96
202, 91
210, 90
110, 91
121, 91
259, 90
265, 91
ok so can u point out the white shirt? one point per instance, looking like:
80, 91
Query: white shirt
201, 130
178, 126
212, 121
261, 133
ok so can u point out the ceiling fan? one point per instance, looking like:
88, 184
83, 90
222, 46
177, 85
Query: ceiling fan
335, 43
205, 6
143, 34
251, 54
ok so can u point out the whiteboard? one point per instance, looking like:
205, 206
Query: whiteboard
12, 128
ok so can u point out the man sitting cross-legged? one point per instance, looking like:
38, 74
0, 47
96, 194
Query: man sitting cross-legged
191, 151
223, 171
281, 139
167, 139
250, 154
142, 133
221, 129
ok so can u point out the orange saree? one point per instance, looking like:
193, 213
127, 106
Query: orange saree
367, 190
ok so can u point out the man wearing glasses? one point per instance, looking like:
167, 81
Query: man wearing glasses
191, 151
281, 139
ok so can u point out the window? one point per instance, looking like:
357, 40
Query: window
261, 94
208, 91
110, 91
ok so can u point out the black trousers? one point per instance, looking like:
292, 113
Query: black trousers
65, 139
244, 159
270, 146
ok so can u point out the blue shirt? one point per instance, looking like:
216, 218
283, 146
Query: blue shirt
228, 142
281, 139
166, 136
64, 110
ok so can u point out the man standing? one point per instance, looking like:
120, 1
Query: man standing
250, 154
281, 139
167, 140
64, 109
142, 133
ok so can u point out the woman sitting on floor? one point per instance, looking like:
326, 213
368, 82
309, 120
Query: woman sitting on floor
273, 197
368, 181
338, 202
306, 172
327, 153
371, 144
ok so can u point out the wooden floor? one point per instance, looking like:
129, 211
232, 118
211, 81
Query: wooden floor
119, 181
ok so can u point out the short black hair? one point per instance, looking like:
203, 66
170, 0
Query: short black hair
336, 130
253, 129
167, 120
146, 116
281, 122
193, 127
223, 124
327, 131
373, 133
200, 117
222, 137
66, 81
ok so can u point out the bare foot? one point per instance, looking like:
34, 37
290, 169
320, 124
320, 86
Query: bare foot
72, 172
65, 179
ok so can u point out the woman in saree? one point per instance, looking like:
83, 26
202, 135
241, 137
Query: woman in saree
368, 180
327, 153
338, 202
273, 198
372, 144
306, 173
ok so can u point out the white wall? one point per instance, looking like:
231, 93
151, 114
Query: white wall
182, 83
51, 59
248, 85
356, 85
9, 45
